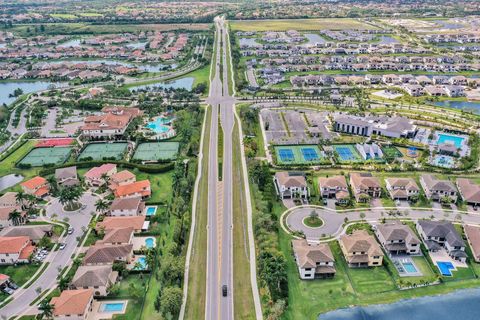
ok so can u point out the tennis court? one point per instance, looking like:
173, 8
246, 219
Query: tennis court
38, 157
391, 152
100, 151
347, 152
308, 154
154, 151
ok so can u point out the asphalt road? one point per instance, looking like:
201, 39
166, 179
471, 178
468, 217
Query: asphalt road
57, 259
219, 247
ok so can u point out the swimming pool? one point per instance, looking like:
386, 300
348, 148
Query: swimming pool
151, 211
456, 140
443, 161
158, 125
409, 267
149, 243
445, 268
142, 264
112, 307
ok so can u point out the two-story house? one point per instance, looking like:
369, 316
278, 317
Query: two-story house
361, 249
334, 187
291, 185
442, 234
365, 186
402, 188
73, 304
436, 189
313, 260
397, 238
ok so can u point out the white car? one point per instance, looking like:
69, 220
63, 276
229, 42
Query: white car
70, 230
62, 246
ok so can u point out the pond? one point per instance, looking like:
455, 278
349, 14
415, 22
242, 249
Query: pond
387, 40
71, 44
314, 38
249, 42
461, 105
448, 25
144, 66
183, 83
9, 181
8, 87
464, 303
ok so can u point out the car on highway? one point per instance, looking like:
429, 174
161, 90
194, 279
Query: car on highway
224, 290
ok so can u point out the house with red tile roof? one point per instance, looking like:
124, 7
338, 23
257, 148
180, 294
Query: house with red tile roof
73, 304
15, 250
136, 189
138, 223
94, 176
37, 186
112, 123
121, 178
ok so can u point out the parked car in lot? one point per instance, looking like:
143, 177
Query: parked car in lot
13, 285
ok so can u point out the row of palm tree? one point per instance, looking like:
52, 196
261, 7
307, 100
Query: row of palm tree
28, 203
69, 196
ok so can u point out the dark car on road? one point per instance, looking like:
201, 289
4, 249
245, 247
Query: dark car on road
224, 290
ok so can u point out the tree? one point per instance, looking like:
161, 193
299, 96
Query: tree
63, 283
101, 205
171, 301
21, 197
69, 196
46, 309
53, 184
16, 217
314, 214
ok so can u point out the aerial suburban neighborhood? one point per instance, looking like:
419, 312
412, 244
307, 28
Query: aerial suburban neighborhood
274, 160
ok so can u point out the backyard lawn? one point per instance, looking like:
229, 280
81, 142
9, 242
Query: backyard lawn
161, 184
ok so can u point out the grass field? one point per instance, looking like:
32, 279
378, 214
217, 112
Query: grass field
243, 298
7, 165
40, 156
161, 184
153, 151
195, 308
300, 24
99, 151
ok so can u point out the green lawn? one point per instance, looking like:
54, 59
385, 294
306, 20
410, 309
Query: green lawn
20, 273
369, 280
195, 307
161, 184
299, 24
7, 165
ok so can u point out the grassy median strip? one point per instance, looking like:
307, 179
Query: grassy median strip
243, 300
195, 308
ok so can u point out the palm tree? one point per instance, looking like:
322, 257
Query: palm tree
106, 178
31, 200
63, 283
69, 196
20, 197
46, 309
101, 205
16, 217
53, 184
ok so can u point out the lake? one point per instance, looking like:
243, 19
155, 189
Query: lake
387, 40
461, 105
314, 38
185, 83
9, 181
7, 88
462, 304
144, 66
249, 42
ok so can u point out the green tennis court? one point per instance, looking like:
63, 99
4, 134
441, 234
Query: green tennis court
100, 151
304, 154
153, 151
38, 157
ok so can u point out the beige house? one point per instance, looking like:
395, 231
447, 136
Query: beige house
291, 185
122, 207
402, 188
98, 278
334, 187
361, 249
397, 238
469, 191
365, 186
72, 304
473, 236
107, 254
313, 260
121, 178
436, 189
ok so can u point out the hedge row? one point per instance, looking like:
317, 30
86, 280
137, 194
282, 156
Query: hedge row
123, 164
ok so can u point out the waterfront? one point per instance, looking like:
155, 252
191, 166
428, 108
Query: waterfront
461, 105
464, 302
8, 87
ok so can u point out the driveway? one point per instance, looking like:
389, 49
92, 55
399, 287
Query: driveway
57, 259
376, 203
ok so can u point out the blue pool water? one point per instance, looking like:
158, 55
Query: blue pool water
445, 268
158, 125
151, 211
409, 267
456, 140
143, 263
112, 307
149, 243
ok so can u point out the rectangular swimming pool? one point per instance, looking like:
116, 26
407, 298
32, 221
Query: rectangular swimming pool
112, 307
409, 267
456, 140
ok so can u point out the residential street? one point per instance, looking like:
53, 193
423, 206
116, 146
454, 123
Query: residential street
57, 259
